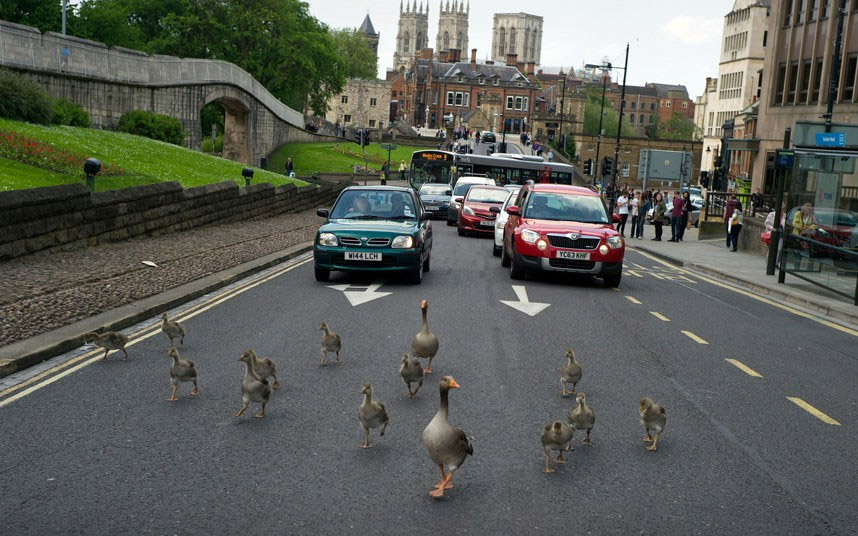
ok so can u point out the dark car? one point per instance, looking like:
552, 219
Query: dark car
436, 199
476, 215
374, 229
489, 139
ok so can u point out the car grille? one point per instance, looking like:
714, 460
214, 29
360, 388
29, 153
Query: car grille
378, 242
372, 242
560, 241
570, 264
386, 261
349, 241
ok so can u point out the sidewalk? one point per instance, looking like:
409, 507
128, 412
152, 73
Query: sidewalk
747, 271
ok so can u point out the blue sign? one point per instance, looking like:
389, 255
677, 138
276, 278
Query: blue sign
784, 159
831, 139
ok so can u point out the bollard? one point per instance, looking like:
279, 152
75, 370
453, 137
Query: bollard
247, 173
91, 167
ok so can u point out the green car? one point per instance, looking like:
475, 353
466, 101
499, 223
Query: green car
374, 229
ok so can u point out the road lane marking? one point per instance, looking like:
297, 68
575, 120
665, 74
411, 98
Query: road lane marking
659, 316
655, 275
634, 273
42, 380
762, 299
523, 304
812, 410
694, 337
633, 300
744, 368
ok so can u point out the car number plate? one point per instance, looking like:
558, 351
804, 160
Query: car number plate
431, 208
363, 256
487, 223
574, 255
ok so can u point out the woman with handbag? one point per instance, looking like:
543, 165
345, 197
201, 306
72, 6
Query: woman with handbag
735, 225
658, 216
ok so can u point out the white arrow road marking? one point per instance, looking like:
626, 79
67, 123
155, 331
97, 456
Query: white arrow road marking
523, 305
358, 297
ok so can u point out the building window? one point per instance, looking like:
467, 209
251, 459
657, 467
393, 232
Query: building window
626, 168
435, 96
817, 81
793, 82
667, 104
787, 12
373, 102
632, 119
450, 98
405, 41
685, 105
824, 13
518, 102
344, 99
501, 41
779, 88
482, 80
799, 11
372, 123
805, 81
651, 119
460, 79
467, 100
651, 106
509, 102
495, 82
526, 106
765, 38
811, 10
458, 98
849, 81
347, 118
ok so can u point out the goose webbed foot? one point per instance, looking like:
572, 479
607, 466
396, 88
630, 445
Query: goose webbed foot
241, 411
276, 384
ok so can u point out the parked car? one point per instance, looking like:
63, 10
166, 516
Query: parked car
436, 199
490, 139
832, 226
502, 216
560, 228
374, 229
475, 215
461, 188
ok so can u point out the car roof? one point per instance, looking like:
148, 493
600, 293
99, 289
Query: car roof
382, 188
470, 179
562, 189
486, 187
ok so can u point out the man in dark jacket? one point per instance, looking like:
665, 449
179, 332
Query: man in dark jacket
676, 218
728, 213
289, 167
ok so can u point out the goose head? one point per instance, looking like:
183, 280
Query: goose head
556, 428
447, 383
172, 352
90, 337
581, 398
163, 316
246, 357
405, 358
644, 404
323, 326
570, 354
249, 353
424, 305
367, 389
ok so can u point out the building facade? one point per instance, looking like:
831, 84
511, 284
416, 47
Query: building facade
452, 27
519, 34
361, 104
412, 35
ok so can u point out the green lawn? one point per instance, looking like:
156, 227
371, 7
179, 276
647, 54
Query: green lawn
324, 157
145, 161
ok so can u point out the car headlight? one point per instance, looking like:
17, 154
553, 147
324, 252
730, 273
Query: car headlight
468, 210
402, 242
614, 242
327, 239
454, 204
822, 232
529, 236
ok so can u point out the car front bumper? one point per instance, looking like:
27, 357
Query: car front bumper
473, 224
392, 260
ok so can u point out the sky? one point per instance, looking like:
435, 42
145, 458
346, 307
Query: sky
670, 41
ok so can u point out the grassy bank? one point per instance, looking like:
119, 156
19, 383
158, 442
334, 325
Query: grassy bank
335, 157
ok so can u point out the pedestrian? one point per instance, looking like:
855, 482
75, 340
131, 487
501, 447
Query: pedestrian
550, 155
290, 171
643, 208
675, 207
687, 209
770, 226
623, 210
757, 199
658, 215
634, 205
477, 137
728, 213
402, 169
384, 173
735, 225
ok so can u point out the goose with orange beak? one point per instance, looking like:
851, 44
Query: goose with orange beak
447, 445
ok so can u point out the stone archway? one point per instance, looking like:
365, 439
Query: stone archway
236, 136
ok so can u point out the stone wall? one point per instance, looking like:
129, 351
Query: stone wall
70, 217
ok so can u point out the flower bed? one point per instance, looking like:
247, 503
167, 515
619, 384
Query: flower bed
18, 147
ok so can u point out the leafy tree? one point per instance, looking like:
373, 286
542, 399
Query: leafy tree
46, 15
359, 59
592, 108
676, 128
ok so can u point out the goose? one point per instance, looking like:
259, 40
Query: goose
581, 417
331, 342
109, 340
425, 343
182, 370
571, 372
447, 446
555, 436
653, 420
264, 367
172, 329
411, 372
253, 388
372, 414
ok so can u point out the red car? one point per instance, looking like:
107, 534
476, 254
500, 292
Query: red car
476, 216
560, 228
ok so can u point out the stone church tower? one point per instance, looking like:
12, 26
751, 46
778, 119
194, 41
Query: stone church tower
413, 34
372, 36
453, 27
519, 34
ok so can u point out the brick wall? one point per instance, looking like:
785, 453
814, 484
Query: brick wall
69, 217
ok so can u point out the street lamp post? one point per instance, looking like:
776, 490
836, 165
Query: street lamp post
619, 130
605, 67
562, 101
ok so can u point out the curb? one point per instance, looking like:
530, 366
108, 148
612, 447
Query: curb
785, 298
22, 354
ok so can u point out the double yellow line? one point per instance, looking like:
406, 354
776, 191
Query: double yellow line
43, 379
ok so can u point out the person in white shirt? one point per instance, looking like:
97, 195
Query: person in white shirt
634, 203
623, 209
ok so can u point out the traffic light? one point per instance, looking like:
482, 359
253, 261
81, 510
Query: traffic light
362, 137
608, 167
365, 137
588, 167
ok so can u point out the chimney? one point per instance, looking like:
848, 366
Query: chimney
455, 55
531, 66
473, 56
426, 54
444, 57
540, 72
511, 59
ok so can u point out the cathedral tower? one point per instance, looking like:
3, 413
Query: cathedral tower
453, 27
519, 34
413, 34
371, 35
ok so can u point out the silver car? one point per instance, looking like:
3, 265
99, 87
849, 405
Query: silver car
500, 221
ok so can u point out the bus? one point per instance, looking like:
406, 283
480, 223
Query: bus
446, 167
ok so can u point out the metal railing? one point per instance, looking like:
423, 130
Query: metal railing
716, 203
830, 266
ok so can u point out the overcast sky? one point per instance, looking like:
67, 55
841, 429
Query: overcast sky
671, 41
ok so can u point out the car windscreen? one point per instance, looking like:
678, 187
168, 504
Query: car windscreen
823, 216
565, 207
462, 188
435, 189
374, 205
487, 195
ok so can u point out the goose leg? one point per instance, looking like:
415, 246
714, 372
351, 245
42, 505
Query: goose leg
587, 440
366, 444
241, 411
276, 384
438, 492
196, 389
324, 356
654, 443
428, 369
548, 468
563, 386
573, 388
173, 394
571, 440
182, 342
647, 437
410, 394
261, 412
104, 358
126, 353
443, 475
383, 428
559, 458
337, 359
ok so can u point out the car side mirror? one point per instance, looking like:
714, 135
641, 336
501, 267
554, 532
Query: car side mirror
322, 212
513, 210
616, 218
448, 192
494, 210
458, 199
425, 216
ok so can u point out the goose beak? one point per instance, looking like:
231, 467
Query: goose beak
424, 304
453, 384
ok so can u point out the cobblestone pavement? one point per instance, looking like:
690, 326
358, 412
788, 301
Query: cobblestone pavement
45, 291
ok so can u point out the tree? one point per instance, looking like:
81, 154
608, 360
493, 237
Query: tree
359, 59
46, 15
592, 108
676, 128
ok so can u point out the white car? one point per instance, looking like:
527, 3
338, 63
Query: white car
502, 216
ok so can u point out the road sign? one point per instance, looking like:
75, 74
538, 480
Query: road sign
388, 146
784, 159
831, 139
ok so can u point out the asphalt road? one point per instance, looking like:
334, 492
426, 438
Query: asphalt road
101, 451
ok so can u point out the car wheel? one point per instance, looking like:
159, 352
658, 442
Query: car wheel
450, 223
322, 274
496, 251
460, 230
416, 277
515, 271
613, 281
426, 266
504, 257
